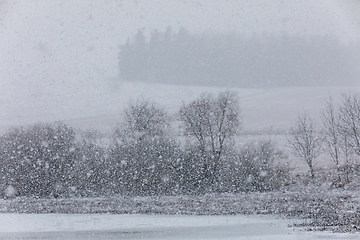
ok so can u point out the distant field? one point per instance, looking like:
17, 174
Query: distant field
98, 104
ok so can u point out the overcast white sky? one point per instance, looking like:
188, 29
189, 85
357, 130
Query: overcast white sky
54, 39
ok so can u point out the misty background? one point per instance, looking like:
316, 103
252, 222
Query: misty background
66, 59
233, 60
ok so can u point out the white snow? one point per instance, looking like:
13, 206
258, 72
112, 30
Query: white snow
107, 226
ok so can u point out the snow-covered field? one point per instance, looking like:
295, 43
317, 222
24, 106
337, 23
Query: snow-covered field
97, 103
108, 226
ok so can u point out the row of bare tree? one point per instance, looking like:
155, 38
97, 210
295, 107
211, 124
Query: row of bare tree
338, 136
144, 157
203, 159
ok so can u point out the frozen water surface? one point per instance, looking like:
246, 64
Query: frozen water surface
107, 226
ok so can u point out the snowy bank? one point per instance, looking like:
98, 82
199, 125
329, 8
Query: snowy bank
108, 226
318, 208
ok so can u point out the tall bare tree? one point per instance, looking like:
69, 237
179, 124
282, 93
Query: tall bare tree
350, 120
142, 151
305, 141
332, 136
211, 122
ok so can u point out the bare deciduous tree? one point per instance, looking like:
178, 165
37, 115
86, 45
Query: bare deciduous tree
349, 129
305, 141
332, 136
143, 119
350, 120
142, 151
211, 122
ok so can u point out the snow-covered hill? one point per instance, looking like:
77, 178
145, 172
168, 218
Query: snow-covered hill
97, 104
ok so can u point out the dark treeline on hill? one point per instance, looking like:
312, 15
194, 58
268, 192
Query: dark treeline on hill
232, 59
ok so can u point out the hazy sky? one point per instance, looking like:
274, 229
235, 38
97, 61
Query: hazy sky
61, 38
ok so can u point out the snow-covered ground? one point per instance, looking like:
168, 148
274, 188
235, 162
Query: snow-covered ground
108, 226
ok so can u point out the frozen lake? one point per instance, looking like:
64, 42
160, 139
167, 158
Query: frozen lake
107, 226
